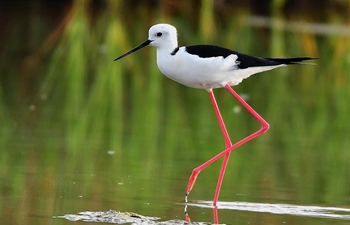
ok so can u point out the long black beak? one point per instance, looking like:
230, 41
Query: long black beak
144, 44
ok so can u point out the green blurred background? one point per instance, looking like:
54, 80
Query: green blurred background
81, 132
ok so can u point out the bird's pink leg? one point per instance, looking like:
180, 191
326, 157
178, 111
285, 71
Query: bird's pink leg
228, 143
229, 146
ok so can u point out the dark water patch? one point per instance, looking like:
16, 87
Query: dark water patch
116, 217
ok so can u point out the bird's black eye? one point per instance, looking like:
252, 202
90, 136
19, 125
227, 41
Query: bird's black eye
159, 34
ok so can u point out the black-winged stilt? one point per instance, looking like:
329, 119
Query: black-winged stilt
208, 67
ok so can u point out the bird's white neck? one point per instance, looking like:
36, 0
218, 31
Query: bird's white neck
167, 50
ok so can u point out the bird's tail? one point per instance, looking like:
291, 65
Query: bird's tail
289, 61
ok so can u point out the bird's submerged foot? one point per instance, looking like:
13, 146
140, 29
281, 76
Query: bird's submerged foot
187, 217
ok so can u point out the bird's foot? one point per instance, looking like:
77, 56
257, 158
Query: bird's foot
191, 182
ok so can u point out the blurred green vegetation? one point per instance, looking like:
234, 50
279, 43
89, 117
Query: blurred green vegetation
67, 100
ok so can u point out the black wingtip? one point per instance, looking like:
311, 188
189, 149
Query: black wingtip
288, 61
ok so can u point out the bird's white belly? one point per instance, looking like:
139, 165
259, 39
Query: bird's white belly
205, 73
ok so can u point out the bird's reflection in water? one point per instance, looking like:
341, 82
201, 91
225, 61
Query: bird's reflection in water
215, 215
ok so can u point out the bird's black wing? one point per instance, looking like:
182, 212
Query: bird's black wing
245, 61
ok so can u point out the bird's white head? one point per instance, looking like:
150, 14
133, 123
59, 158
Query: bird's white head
161, 36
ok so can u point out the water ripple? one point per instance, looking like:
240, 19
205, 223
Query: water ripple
284, 209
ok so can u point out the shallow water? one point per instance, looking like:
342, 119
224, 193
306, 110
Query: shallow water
42, 182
